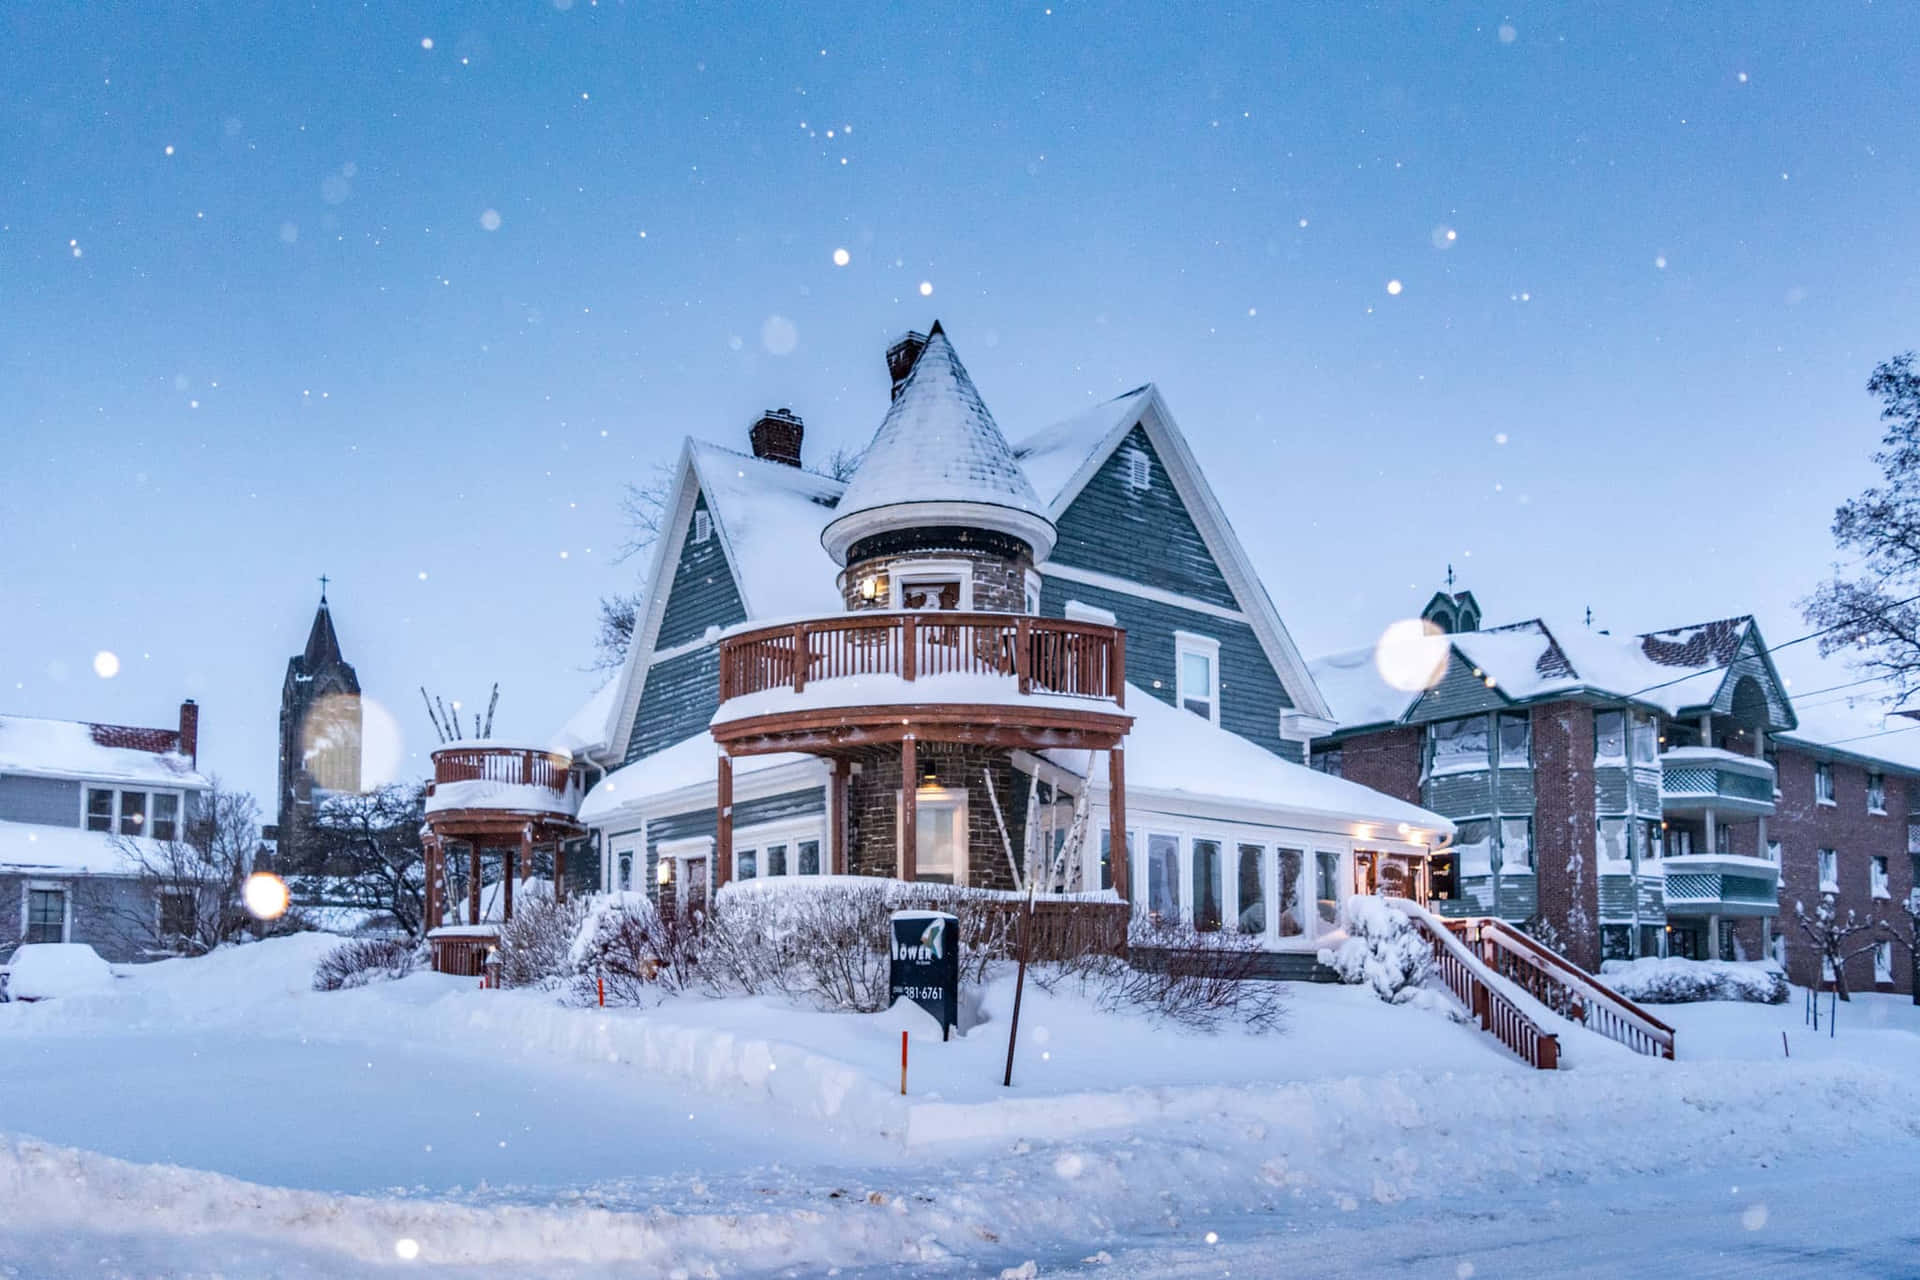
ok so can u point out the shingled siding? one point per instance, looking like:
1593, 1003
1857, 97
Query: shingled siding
1251, 696
1145, 535
677, 701
49, 801
702, 594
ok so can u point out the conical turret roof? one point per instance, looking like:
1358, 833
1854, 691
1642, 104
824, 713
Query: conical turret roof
939, 459
323, 646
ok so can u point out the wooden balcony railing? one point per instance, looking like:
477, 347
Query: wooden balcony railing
1564, 986
1043, 655
524, 765
1467, 976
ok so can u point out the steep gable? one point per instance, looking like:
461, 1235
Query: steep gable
1145, 534
703, 593
1462, 691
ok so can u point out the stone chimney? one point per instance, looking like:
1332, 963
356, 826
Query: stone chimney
900, 358
190, 730
776, 436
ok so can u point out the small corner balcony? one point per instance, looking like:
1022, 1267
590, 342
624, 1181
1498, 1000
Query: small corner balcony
1698, 780
496, 780
996, 679
1722, 885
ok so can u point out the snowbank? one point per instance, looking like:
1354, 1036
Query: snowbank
1671, 980
45, 970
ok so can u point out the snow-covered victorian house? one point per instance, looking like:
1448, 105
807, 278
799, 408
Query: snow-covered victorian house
1616, 788
868, 677
82, 807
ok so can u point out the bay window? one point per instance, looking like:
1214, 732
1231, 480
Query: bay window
1516, 844
1516, 740
1459, 745
1610, 737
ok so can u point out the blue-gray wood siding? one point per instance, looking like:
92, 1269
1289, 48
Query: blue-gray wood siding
677, 700
1143, 535
1460, 795
702, 593
1749, 663
1609, 789
1519, 898
1251, 696
116, 916
1459, 693
706, 822
1646, 790
1616, 900
47, 801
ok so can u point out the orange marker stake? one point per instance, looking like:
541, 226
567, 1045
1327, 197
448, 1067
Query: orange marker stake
903, 1064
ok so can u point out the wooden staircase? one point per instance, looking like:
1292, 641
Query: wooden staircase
1563, 986
1474, 983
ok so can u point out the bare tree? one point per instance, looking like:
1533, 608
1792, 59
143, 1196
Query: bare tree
370, 855
1832, 937
1904, 929
1876, 613
843, 462
187, 896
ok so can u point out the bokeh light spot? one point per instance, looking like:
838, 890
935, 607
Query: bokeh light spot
1411, 655
106, 664
265, 895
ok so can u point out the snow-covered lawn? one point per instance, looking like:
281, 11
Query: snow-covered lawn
736, 1137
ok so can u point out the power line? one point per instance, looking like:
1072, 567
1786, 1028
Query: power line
1768, 651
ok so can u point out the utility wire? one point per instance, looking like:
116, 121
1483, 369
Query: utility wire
1768, 651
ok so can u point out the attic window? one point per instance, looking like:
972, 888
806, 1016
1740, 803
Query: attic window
702, 526
1139, 470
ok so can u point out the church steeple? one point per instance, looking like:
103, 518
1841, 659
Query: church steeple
323, 646
319, 736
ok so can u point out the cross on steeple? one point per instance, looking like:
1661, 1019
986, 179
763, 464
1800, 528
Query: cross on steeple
1449, 581
324, 580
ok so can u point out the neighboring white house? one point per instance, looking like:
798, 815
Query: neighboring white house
75, 798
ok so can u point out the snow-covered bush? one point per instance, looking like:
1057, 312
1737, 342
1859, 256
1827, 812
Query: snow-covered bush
364, 960
636, 950
1383, 949
536, 946
1203, 981
1653, 980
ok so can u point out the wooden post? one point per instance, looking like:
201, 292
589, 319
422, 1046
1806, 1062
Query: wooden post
909, 809
526, 852
909, 645
800, 656
559, 871
1022, 662
473, 881
430, 914
837, 797
1117, 818
723, 826
1117, 674
506, 885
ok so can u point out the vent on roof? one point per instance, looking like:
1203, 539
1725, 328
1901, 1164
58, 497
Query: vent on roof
901, 356
702, 526
777, 435
1139, 470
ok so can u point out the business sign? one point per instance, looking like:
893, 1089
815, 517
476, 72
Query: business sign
925, 968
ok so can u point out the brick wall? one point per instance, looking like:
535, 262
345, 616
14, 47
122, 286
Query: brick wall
999, 581
1569, 888
873, 796
1387, 761
1804, 827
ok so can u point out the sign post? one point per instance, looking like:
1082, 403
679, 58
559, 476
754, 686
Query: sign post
925, 953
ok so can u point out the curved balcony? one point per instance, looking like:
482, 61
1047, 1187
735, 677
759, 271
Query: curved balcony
994, 678
497, 778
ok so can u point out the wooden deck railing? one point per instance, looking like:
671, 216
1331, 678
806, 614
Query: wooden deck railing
525, 765
1043, 655
1564, 986
1466, 976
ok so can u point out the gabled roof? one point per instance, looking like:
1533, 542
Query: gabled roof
939, 444
323, 646
1056, 452
95, 752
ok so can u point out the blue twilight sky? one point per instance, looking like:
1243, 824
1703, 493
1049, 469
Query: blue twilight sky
287, 291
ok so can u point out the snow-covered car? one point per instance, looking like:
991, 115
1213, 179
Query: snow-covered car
47, 970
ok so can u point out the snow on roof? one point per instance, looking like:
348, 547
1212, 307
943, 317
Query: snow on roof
938, 443
770, 516
588, 729
1356, 691
947, 687
511, 797
689, 762
1174, 752
1860, 724
75, 749
34, 847
1053, 455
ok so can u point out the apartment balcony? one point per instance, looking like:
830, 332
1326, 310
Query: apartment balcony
877, 676
1722, 885
1696, 780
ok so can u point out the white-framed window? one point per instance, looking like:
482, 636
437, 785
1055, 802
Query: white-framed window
133, 813
1611, 845
1823, 783
1139, 470
1876, 793
1209, 891
623, 864
686, 863
1031, 595
1102, 876
702, 526
1197, 672
46, 913
1290, 872
1883, 961
929, 585
940, 835
1644, 740
1252, 874
1516, 846
1516, 740
1881, 887
1473, 846
1163, 876
1651, 845
1326, 887
1609, 737
1829, 871
99, 815
1773, 852
1458, 745
164, 822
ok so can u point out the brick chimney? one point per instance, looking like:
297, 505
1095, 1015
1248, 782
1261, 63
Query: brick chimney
776, 436
190, 730
900, 358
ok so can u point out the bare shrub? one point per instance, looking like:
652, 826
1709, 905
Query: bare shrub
536, 946
365, 960
635, 949
1203, 981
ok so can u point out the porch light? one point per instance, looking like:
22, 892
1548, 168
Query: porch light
663, 874
1405, 830
869, 587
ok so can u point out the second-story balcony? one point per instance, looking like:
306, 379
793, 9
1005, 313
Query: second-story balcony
498, 778
984, 668
1694, 780
1721, 884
